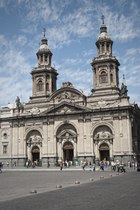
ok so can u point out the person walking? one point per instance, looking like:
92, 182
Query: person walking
7, 164
102, 165
61, 166
48, 164
93, 167
1, 165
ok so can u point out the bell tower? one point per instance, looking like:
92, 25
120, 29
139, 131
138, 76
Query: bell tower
105, 67
44, 76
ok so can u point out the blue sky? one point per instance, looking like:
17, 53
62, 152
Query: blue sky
72, 27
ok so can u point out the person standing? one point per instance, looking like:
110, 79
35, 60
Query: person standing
48, 164
102, 165
1, 165
61, 166
94, 167
27, 164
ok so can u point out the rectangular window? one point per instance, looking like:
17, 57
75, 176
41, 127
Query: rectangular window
4, 149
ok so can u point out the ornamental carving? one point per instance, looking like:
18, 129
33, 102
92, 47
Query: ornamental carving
67, 84
66, 95
34, 138
66, 133
67, 137
5, 134
103, 134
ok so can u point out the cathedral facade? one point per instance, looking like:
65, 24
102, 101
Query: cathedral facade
64, 124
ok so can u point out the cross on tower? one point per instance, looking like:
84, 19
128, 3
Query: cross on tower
44, 31
103, 18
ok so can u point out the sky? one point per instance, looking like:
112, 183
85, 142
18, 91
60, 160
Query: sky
72, 28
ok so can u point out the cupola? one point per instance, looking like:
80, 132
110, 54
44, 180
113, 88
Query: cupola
44, 54
104, 42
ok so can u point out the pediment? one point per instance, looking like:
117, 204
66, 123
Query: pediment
68, 94
66, 108
67, 134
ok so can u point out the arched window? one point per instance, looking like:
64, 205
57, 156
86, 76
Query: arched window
47, 86
103, 48
111, 77
46, 58
41, 58
4, 149
107, 47
5, 135
40, 85
103, 77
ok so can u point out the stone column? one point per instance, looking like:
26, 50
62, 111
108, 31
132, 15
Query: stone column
96, 150
59, 149
75, 149
111, 150
29, 153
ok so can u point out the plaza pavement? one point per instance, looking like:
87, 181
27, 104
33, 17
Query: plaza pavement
21, 182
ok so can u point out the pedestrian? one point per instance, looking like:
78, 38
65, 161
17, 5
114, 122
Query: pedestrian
61, 166
1, 165
113, 166
27, 164
102, 165
15, 163
66, 163
93, 167
121, 168
84, 165
48, 164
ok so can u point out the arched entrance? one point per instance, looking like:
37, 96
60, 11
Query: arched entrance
66, 142
104, 152
68, 151
103, 142
35, 154
34, 144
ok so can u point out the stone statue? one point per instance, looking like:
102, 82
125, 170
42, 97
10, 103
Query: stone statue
17, 101
124, 90
103, 135
19, 105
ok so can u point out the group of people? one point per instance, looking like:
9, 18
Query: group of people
115, 166
85, 163
118, 166
102, 165
65, 164
29, 164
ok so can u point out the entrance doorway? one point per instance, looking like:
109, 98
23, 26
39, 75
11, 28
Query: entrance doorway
35, 154
104, 152
68, 151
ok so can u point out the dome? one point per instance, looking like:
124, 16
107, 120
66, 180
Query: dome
44, 46
103, 34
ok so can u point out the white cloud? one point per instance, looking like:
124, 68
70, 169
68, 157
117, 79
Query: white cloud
66, 23
21, 40
14, 72
133, 52
121, 27
45, 10
11, 87
4, 3
14, 62
135, 97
